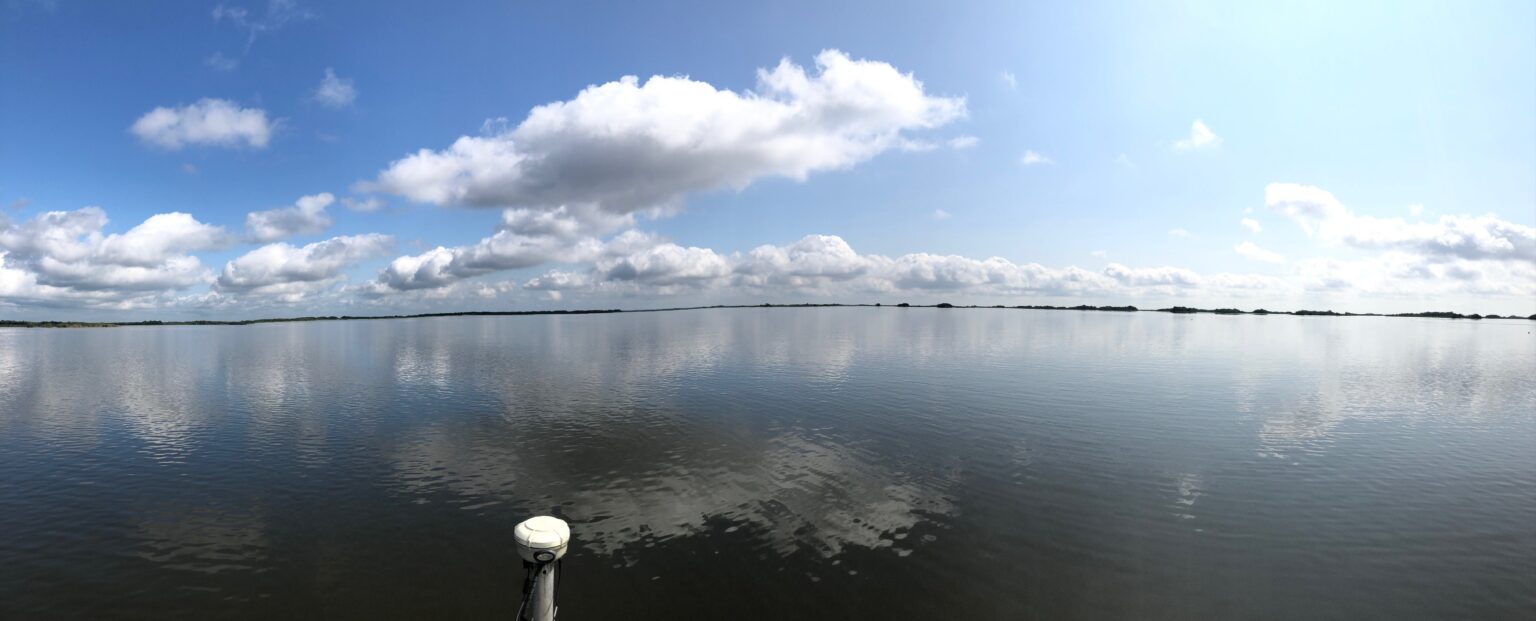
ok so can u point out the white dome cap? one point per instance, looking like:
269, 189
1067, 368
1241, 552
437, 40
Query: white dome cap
542, 539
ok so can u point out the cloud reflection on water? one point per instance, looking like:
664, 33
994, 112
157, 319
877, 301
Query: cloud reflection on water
595, 429
1101, 439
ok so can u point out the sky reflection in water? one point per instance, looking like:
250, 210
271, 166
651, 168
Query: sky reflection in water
757, 463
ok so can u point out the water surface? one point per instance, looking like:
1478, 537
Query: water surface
775, 463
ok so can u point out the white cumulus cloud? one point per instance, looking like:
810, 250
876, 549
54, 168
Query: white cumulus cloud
283, 269
1152, 276
629, 145
306, 216
1410, 268
66, 255
526, 237
826, 264
665, 265
208, 122
813, 259
1252, 225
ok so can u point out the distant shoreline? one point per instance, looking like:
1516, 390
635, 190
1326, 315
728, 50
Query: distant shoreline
1179, 310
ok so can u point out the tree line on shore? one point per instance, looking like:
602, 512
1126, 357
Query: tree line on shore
1181, 310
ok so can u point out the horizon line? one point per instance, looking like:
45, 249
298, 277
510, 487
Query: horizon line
1178, 310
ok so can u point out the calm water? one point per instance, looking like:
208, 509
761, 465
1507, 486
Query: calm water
775, 463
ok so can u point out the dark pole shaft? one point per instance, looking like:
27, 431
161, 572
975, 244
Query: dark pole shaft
541, 600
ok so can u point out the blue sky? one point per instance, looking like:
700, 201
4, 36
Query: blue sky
1382, 154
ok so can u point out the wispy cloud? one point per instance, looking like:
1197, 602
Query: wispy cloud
364, 205
335, 92
1032, 158
1252, 225
1179, 232
1008, 79
958, 143
1480, 238
279, 13
21, 6
1200, 137
963, 142
219, 62
940, 214
1252, 251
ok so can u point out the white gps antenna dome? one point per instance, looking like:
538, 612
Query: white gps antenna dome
542, 539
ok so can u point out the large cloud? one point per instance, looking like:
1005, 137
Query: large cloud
627, 145
284, 269
60, 255
1320, 214
209, 122
306, 216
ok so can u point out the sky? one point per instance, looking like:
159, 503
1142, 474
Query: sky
175, 160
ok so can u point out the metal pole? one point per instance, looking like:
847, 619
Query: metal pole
541, 542
541, 602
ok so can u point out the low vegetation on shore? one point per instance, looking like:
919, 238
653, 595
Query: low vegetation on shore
1180, 310
249, 322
